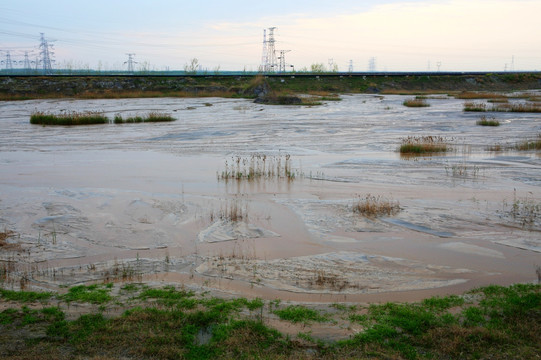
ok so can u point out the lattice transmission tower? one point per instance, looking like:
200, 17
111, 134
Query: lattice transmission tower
130, 62
8, 64
272, 61
282, 65
27, 64
46, 54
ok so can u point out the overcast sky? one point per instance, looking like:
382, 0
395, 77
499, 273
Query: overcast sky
414, 35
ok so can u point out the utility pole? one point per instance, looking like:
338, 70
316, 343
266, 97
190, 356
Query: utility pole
46, 54
130, 62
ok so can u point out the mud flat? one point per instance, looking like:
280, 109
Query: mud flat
146, 202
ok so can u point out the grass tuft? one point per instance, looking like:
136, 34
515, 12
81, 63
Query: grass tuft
373, 206
484, 121
416, 102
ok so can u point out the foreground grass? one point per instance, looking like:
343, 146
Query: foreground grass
494, 322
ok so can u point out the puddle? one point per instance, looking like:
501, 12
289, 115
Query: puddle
85, 201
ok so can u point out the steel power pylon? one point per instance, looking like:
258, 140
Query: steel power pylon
282, 58
46, 54
271, 51
130, 62
27, 64
7, 63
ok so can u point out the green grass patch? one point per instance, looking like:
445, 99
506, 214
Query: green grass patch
299, 313
68, 118
495, 322
94, 294
24, 296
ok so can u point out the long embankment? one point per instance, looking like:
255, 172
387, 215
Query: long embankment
110, 86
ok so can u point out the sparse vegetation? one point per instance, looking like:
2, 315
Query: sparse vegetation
462, 170
416, 102
534, 144
484, 121
68, 118
258, 167
423, 145
373, 206
233, 210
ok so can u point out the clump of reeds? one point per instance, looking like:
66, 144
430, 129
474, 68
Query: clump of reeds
484, 121
423, 145
258, 166
416, 102
526, 145
373, 206
504, 107
68, 118
153, 116
475, 106
480, 95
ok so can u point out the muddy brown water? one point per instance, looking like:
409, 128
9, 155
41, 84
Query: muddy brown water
142, 202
